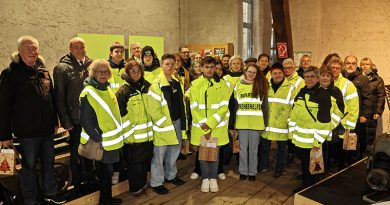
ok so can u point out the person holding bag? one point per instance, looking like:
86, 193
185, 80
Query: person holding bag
250, 93
209, 99
137, 126
101, 122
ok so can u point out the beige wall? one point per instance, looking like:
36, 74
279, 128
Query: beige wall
360, 28
54, 22
211, 21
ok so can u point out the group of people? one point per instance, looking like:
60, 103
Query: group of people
142, 109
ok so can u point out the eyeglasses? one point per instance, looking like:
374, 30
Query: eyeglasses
135, 71
350, 63
309, 76
252, 73
106, 72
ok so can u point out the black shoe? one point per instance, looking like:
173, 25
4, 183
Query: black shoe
160, 190
243, 177
252, 178
176, 181
116, 201
55, 199
277, 174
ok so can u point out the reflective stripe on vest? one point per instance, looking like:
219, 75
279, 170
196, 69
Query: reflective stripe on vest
103, 104
249, 113
298, 82
276, 130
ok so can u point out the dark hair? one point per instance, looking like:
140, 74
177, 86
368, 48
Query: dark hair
218, 62
183, 46
260, 83
312, 69
167, 56
326, 69
116, 45
263, 55
328, 57
226, 55
250, 60
208, 60
131, 64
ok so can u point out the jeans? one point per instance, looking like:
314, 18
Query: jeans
281, 154
209, 169
249, 140
164, 159
31, 150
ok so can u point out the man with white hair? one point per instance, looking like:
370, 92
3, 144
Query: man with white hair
27, 113
135, 50
69, 75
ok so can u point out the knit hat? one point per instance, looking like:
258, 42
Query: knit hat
276, 66
147, 50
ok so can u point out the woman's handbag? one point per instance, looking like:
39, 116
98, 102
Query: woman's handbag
91, 150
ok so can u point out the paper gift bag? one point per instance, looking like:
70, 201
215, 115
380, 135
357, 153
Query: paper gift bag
350, 141
236, 146
7, 161
316, 161
208, 149
185, 147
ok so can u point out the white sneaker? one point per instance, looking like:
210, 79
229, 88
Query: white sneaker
213, 185
194, 176
205, 185
115, 178
222, 176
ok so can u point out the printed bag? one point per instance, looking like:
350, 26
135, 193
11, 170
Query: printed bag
316, 161
7, 161
208, 149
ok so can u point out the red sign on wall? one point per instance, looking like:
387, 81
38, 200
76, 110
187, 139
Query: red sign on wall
282, 50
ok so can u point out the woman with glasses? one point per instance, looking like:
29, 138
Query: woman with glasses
101, 122
251, 96
137, 128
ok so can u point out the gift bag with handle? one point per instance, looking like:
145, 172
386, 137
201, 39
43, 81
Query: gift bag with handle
350, 141
316, 161
208, 149
7, 161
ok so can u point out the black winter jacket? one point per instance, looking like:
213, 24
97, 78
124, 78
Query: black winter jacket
27, 106
361, 83
378, 95
69, 77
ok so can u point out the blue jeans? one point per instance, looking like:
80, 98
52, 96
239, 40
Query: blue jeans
164, 160
31, 150
209, 169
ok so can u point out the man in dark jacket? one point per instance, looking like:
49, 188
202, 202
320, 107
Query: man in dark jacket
28, 112
354, 74
69, 76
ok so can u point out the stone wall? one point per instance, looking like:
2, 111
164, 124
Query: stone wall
348, 27
55, 22
211, 21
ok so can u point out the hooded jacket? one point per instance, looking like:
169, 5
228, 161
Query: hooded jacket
26, 104
69, 77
